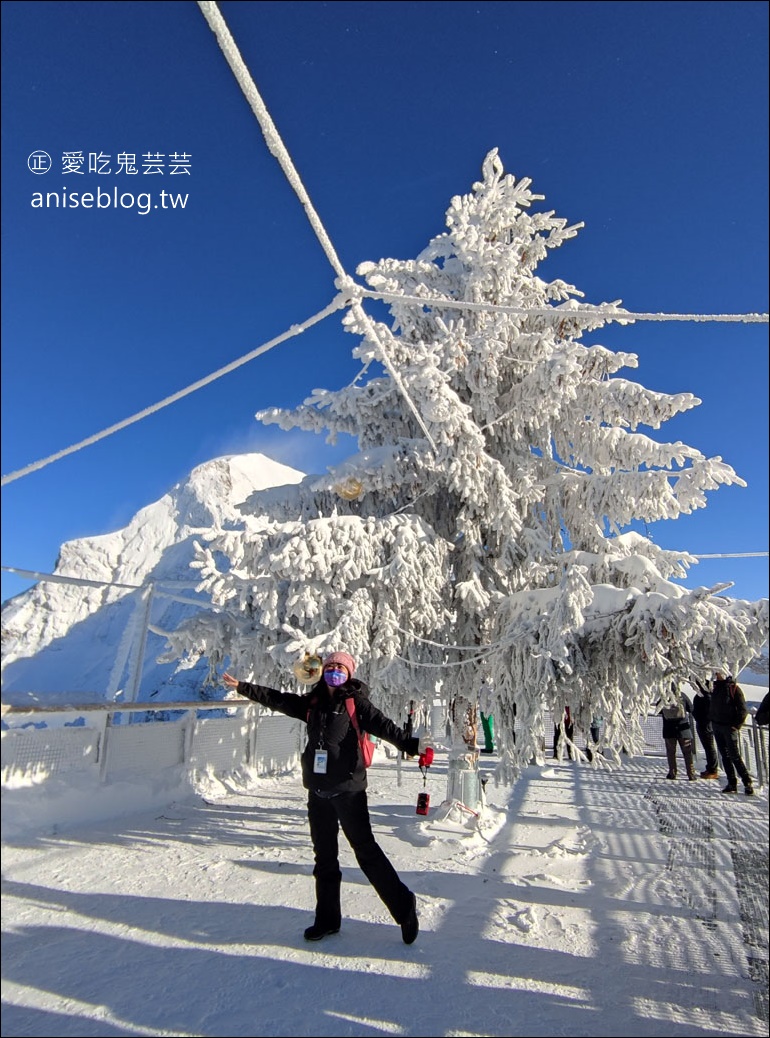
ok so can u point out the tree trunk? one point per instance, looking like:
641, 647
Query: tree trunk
463, 801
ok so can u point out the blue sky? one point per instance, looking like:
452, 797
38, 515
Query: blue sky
646, 121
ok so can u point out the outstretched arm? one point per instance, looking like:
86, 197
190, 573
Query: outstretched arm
284, 702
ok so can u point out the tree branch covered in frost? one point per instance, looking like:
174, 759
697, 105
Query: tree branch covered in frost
503, 529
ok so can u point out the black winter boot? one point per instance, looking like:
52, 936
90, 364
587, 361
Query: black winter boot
410, 927
317, 933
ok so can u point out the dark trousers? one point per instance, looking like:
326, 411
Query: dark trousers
686, 747
350, 811
706, 736
729, 746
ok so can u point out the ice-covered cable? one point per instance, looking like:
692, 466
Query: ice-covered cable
278, 149
273, 140
589, 313
441, 645
445, 663
57, 578
371, 327
296, 329
736, 555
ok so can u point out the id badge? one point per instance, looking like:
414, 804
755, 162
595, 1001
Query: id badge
319, 762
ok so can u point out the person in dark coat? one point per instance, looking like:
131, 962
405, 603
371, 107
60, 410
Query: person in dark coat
676, 730
701, 714
334, 773
728, 712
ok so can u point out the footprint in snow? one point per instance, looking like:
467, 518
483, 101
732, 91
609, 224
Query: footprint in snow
525, 920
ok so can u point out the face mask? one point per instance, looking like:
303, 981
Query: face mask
335, 677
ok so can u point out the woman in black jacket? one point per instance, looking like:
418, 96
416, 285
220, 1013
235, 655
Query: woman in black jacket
334, 773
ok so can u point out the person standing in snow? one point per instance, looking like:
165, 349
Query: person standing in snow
334, 773
701, 714
728, 712
676, 730
595, 729
569, 731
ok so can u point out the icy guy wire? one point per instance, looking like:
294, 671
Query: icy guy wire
610, 313
278, 149
446, 663
58, 578
296, 329
440, 645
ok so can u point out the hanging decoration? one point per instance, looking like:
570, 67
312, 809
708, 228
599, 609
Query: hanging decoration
308, 670
350, 489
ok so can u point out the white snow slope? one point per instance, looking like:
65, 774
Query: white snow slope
59, 638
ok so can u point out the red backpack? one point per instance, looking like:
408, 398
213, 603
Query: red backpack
365, 743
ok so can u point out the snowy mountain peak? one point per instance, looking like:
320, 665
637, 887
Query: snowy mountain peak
62, 638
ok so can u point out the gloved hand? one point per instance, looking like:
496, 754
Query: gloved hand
426, 752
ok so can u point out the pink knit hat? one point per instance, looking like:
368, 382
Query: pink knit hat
343, 660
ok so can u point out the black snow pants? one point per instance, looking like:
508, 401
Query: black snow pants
350, 811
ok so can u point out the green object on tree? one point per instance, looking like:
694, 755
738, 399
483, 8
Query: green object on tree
488, 725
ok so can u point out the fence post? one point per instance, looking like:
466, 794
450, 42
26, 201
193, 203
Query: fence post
253, 725
104, 748
758, 752
137, 656
189, 735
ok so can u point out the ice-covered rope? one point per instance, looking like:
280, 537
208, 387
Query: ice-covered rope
445, 663
273, 140
59, 579
371, 327
611, 313
55, 578
278, 149
736, 555
441, 645
296, 329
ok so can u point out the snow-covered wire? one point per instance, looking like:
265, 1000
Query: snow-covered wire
371, 327
440, 645
413, 502
610, 313
57, 578
446, 663
273, 140
60, 579
736, 555
296, 329
278, 149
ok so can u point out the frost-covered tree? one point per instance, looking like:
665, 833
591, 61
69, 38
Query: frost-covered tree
495, 544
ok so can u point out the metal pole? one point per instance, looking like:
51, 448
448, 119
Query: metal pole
757, 752
137, 657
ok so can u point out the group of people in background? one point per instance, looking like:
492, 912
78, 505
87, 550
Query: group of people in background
719, 711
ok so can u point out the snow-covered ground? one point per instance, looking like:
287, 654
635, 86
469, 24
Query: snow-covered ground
588, 903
